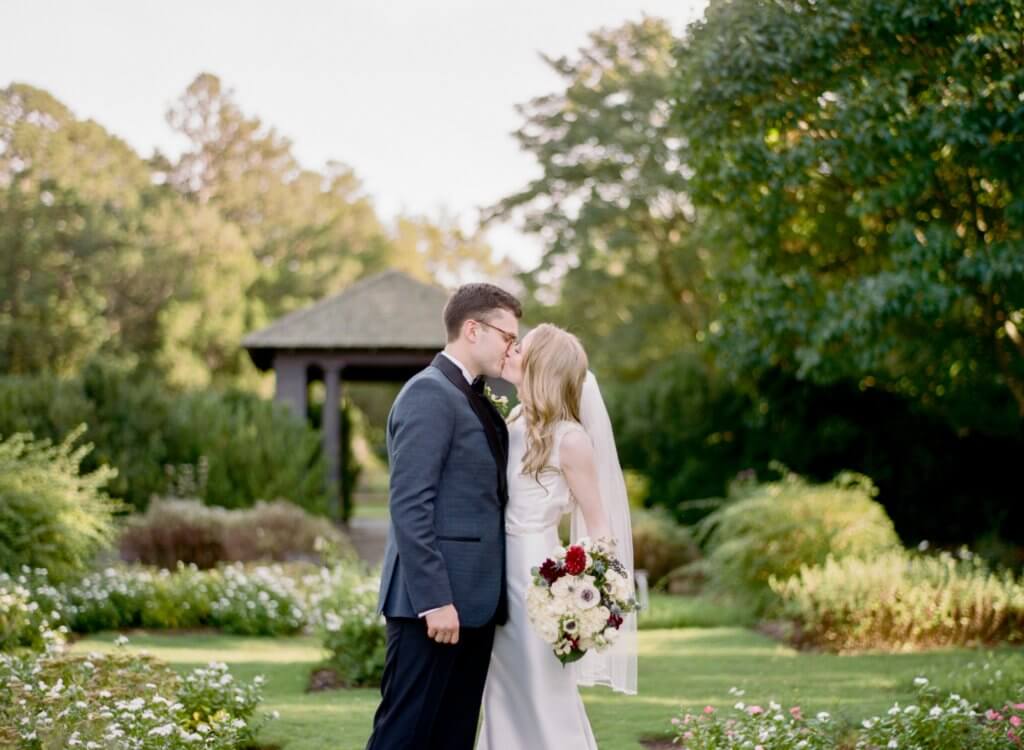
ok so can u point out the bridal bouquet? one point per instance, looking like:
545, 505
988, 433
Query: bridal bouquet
578, 599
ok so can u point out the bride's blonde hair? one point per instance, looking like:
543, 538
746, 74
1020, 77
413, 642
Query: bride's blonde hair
554, 368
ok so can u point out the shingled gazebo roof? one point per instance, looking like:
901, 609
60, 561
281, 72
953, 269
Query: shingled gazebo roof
389, 311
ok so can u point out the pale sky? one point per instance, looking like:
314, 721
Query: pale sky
417, 97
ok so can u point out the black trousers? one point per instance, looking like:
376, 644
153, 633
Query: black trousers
430, 692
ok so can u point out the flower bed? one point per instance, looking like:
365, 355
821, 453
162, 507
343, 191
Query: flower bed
97, 701
937, 721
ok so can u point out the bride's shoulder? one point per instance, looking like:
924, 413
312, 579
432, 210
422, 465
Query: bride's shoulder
573, 440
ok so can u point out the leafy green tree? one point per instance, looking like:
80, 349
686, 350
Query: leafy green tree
311, 233
623, 264
71, 196
867, 157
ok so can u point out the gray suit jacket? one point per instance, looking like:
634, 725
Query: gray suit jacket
448, 451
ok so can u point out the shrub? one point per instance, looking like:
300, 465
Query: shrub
174, 530
660, 545
256, 449
902, 601
351, 629
119, 700
774, 529
282, 531
261, 601
29, 612
252, 448
51, 515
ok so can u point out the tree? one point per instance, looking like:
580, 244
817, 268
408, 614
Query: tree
868, 156
440, 251
623, 263
71, 199
311, 233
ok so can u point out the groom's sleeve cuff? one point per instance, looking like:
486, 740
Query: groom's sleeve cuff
428, 611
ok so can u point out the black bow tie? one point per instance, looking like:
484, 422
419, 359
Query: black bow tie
478, 384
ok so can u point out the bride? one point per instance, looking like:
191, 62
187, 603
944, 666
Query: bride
562, 460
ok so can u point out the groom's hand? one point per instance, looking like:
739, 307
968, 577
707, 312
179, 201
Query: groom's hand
443, 625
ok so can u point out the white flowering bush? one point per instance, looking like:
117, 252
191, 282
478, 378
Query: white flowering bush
30, 612
261, 600
122, 702
900, 600
350, 627
240, 599
578, 599
935, 721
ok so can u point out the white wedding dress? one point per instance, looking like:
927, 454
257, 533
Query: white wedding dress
531, 702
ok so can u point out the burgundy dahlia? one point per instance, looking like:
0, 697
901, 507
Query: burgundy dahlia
550, 571
575, 560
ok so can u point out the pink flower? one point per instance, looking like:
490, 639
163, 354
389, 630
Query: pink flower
1015, 720
754, 710
709, 710
1018, 706
993, 715
795, 713
675, 721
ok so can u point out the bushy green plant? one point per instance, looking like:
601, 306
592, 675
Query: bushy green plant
176, 530
773, 529
256, 449
660, 544
51, 515
246, 448
899, 600
351, 629
119, 700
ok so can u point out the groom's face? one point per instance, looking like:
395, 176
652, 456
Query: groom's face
495, 337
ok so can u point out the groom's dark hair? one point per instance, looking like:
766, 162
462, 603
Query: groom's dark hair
476, 301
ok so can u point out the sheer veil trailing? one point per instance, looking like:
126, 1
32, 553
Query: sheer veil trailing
615, 667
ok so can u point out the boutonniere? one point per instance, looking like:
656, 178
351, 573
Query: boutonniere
500, 402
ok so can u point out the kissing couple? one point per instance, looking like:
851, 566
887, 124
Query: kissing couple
476, 500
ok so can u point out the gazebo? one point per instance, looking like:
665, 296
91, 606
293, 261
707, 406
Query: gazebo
384, 328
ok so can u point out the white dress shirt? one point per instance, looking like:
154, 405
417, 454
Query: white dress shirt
465, 372
469, 379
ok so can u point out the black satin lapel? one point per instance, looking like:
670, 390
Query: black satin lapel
454, 374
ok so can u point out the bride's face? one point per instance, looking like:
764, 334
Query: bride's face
512, 370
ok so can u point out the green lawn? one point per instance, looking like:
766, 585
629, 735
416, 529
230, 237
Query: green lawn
691, 667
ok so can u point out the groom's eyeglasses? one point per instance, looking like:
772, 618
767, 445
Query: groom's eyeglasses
510, 338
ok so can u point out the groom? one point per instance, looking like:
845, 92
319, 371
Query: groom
443, 582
